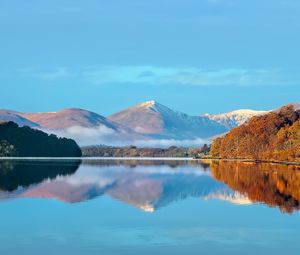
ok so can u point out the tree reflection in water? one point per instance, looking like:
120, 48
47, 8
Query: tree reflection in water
23, 173
273, 184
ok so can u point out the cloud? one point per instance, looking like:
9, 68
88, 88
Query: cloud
165, 143
162, 75
105, 177
155, 75
57, 73
88, 136
85, 136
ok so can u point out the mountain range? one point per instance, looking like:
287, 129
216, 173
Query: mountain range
148, 121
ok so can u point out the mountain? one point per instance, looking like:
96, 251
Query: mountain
72, 117
274, 136
7, 115
66, 118
235, 118
238, 117
159, 121
84, 126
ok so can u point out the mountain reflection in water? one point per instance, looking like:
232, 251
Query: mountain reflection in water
150, 185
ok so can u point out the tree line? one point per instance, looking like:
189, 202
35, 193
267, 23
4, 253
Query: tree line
133, 151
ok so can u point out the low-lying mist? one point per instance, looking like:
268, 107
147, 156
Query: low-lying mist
103, 135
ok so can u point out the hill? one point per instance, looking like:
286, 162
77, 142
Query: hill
27, 142
274, 136
67, 118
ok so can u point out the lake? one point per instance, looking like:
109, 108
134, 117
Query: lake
105, 206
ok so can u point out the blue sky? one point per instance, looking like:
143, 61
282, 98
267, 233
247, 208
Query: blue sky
195, 56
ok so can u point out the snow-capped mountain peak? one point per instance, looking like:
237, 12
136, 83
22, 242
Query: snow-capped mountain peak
235, 118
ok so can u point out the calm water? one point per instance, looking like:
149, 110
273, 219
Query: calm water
148, 207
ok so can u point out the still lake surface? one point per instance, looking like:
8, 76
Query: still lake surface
148, 207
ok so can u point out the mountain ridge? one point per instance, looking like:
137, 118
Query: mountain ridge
147, 121
235, 118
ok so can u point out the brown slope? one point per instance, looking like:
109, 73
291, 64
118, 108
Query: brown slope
274, 136
68, 118
142, 118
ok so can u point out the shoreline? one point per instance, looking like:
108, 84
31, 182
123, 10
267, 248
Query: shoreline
255, 161
152, 158
97, 158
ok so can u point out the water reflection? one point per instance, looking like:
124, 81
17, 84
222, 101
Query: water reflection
273, 184
133, 163
15, 174
150, 185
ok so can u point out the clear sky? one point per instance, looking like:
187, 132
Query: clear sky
195, 56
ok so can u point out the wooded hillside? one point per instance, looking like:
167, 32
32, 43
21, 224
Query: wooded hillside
274, 136
18, 141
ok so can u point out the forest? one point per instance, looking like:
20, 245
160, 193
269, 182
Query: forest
272, 137
24, 141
